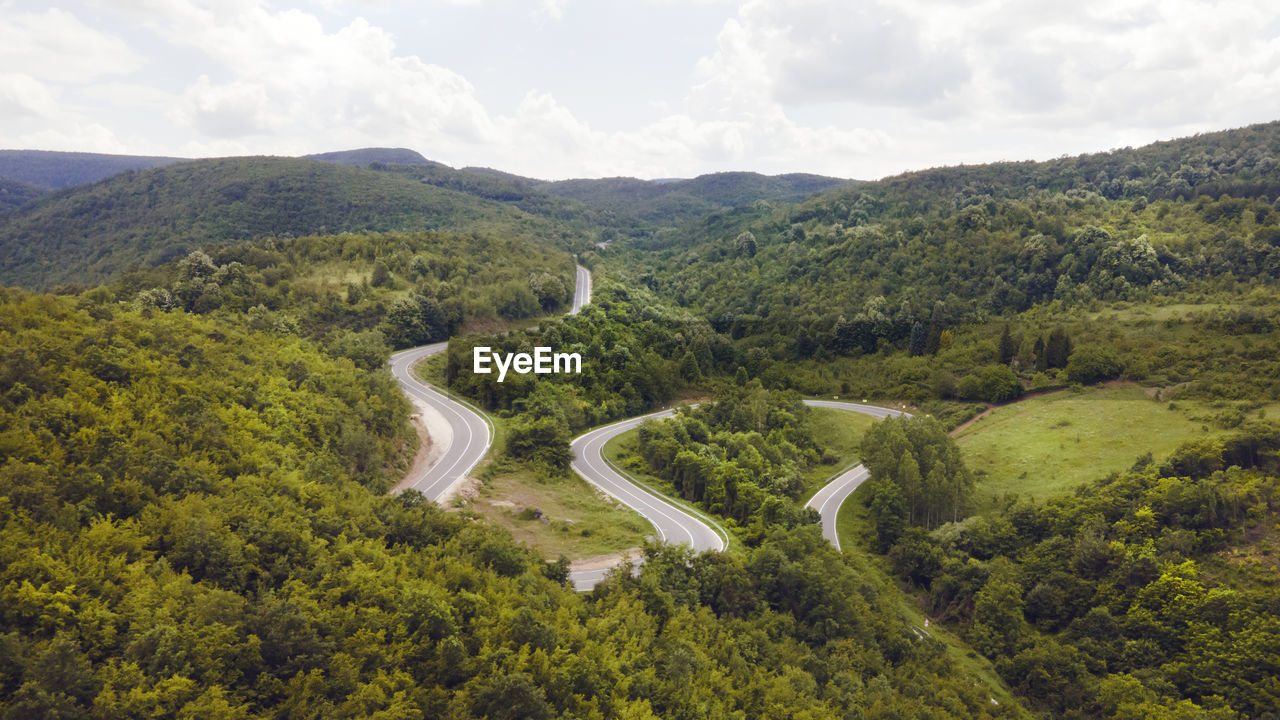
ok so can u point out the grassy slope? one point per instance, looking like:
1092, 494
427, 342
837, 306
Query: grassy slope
839, 432
853, 527
1049, 444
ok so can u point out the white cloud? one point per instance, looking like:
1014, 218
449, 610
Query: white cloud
553, 9
22, 96
849, 87
291, 79
953, 81
76, 135
797, 53
294, 87
55, 46
1135, 63
229, 110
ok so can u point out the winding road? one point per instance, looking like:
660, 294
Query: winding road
461, 437
830, 497
674, 524
460, 434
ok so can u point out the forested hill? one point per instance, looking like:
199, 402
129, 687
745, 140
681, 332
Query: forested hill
51, 169
192, 526
90, 233
983, 240
674, 201
1243, 162
14, 193
367, 156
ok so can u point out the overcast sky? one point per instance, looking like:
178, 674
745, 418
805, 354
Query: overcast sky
590, 88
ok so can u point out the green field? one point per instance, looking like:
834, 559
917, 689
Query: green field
559, 515
1050, 444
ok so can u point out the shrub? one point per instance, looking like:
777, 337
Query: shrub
1092, 365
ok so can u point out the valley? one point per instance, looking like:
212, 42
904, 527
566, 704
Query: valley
981, 441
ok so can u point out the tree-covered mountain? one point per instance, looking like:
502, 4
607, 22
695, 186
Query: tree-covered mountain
673, 201
191, 456
855, 269
191, 525
90, 233
51, 169
364, 157
362, 293
14, 194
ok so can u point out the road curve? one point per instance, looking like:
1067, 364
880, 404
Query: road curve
673, 524
466, 438
827, 501
463, 435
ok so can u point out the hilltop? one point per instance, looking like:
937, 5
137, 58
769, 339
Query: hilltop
368, 156
671, 201
90, 233
51, 170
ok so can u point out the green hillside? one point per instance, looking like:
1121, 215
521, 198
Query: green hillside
671, 202
14, 194
855, 269
91, 233
192, 526
363, 293
192, 455
50, 169
367, 156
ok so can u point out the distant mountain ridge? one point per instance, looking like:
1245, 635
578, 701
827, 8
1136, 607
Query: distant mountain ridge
88, 217
51, 169
675, 199
365, 157
91, 233
666, 201
15, 194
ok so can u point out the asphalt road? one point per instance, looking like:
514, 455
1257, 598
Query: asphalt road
581, 290
673, 524
828, 500
468, 437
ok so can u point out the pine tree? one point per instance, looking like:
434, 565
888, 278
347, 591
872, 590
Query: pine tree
1008, 346
888, 513
936, 326
919, 340
842, 339
689, 369
1057, 349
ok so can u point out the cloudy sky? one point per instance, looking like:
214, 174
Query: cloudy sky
650, 88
